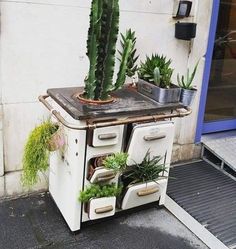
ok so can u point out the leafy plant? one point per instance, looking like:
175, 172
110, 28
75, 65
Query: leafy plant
186, 82
99, 191
101, 49
117, 162
132, 68
149, 169
36, 154
156, 70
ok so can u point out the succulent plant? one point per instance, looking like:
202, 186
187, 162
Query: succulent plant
101, 49
186, 82
156, 70
132, 67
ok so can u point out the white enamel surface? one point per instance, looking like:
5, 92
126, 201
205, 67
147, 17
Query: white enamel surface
138, 147
132, 199
114, 130
101, 203
102, 172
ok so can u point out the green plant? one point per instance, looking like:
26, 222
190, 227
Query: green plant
149, 169
131, 63
101, 49
99, 191
186, 82
36, 154
117, 162
156, 70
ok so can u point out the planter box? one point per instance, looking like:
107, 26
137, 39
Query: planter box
140, 194
102, 175
101, 207
161, 95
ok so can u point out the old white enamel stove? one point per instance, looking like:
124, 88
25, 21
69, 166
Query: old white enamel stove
133, 123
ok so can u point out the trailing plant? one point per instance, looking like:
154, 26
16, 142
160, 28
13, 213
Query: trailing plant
101, 49
99, 191
156, 70
36, 153
132, 67
186, 82
150, 169
116, 162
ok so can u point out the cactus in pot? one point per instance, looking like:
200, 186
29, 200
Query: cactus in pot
101, 50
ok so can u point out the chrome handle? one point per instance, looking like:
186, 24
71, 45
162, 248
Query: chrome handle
154, 137
106, 177
147, 191
104, 209
107, 136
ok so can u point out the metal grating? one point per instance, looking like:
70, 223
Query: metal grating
209, 196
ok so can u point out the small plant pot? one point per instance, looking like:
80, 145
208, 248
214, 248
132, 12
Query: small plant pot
161, 95
141, 194
185, 31
101, 207
57, 140
187, 96
94, 102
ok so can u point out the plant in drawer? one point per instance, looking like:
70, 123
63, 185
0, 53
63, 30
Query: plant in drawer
144, 182
155, 79
100, 200
107, 168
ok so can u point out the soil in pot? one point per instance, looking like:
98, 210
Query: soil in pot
80, 97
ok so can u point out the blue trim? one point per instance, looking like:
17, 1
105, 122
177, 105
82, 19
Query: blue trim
207, 70
219, 126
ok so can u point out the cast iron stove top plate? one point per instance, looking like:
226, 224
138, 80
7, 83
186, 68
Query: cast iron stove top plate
128, 103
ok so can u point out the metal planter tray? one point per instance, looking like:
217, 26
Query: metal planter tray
161, 95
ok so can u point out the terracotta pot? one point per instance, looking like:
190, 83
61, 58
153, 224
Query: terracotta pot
57, 140
94, 102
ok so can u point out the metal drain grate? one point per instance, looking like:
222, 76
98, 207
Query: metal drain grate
207, 195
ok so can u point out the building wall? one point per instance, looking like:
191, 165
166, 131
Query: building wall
43, 45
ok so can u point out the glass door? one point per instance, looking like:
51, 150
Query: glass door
220, 112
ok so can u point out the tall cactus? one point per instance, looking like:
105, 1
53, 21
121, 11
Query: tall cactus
101, 49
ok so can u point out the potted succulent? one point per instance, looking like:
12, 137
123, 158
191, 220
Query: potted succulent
100, 200
45, 138
107, 168
101, 49
188, 92
143, 183
155, 80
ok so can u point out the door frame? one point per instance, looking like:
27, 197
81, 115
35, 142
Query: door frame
215, 126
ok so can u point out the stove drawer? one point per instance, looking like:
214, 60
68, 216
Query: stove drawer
102, 175
141, 194
107, 136
101, 208
156, 137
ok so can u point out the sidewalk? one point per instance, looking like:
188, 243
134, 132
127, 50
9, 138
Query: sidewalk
35, 222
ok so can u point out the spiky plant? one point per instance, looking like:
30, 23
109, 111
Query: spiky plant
150, 169
132, 67
186, 82
156, 70
101, 49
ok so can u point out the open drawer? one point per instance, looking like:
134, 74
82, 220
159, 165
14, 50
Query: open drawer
156, 137
107, 136
101, 175
101, 207
141, 194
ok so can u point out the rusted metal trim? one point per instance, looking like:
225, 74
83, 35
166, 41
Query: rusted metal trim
128, 120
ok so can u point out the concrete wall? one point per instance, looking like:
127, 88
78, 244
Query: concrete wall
43, 45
